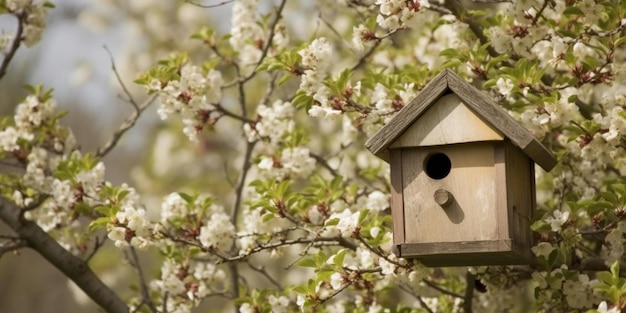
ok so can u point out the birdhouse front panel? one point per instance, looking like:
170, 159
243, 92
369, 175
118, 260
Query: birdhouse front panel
450, 193
447, 121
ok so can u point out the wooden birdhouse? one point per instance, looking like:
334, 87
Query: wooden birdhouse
462, 177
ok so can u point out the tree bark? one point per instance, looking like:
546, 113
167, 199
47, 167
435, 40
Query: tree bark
73, 267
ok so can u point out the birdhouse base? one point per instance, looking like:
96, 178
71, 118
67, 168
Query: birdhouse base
467, 253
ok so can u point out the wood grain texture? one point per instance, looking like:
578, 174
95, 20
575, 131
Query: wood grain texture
493, 252
397, 203
484, 106
471, 215
520, 200
477, 101
502, 211
380, 141
447, 121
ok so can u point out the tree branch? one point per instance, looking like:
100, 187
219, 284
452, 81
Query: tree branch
74, 268
261, 270
131, 120
469, 292
14, 45
440, 289
12, 244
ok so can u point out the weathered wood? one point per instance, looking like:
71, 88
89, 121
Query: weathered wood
447, 121
477, 101
379, 143
500, 193
485, 107
491, 252
471, 214
397, 203
520, 200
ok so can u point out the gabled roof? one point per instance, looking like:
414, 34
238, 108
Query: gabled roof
481, 104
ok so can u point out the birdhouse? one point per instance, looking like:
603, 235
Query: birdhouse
462, 177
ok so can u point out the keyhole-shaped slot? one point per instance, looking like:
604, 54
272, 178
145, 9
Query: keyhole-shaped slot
437, 165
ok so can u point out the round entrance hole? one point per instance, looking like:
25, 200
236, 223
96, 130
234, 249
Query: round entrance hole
437, 166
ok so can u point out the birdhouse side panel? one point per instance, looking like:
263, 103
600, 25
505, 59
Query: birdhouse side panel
397, 203
469, 211
447, 121
520, 181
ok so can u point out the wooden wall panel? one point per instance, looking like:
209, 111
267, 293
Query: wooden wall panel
471, 217
397, 203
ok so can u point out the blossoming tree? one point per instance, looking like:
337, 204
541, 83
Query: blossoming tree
293, 213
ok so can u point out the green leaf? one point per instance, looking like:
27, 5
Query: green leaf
572, 10
339, 257
284, 79
332, 222
307, 262
189, 199
99, 223
363, 215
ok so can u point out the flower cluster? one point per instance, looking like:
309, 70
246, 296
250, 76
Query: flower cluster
246, 33
193, 95
197, 218
185, 284
273, 123
32, 15
395, 14
292, 163
316, 60
30, 115
131, 226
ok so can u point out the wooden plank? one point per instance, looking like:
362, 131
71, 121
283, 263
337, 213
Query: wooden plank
380, 141
520, 177
501, 192
419, 249
471, 216
474, 253
397, 202
485, 107
447, 121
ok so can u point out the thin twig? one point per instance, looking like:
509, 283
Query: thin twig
234, 214
14, 45
266, 48
319, 159
145, 294
97, 245
364, 57
261, 270
15, 243
419, 299
208, 6
131, 120
440, 289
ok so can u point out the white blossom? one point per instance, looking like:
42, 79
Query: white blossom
218, 232
297, 162
377, 201
347, 223
173, 207
557, 220
543, 249
604, 308
336, 281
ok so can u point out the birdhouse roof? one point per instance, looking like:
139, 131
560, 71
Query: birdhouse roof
478, 102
